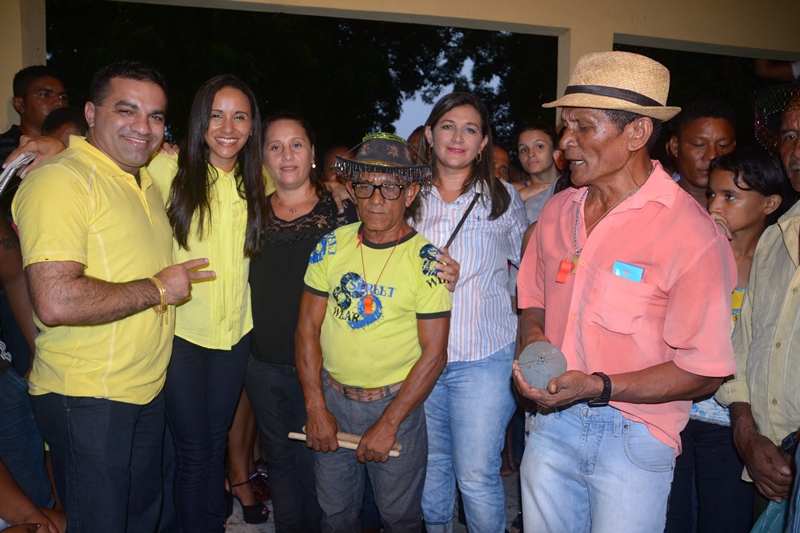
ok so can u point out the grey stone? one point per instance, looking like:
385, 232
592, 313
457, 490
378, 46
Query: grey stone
540, 362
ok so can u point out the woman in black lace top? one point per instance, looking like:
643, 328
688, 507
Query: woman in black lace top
301, 212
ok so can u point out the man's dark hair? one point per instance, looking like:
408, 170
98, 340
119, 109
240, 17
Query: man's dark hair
25, 77
702, 109
622, 118
63, 116
130, 70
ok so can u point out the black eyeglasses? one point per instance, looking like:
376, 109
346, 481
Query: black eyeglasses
390, 191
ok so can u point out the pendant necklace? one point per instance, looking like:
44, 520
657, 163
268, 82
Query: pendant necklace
292, 209
570, 265
367, 301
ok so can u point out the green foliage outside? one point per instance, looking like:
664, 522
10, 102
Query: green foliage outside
348, 77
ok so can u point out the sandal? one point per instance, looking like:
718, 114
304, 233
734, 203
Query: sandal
260, 482
252, 514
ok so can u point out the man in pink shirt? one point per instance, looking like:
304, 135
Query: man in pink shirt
631, 278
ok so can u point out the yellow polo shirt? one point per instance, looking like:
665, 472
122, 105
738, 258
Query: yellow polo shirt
80, 206
218, 314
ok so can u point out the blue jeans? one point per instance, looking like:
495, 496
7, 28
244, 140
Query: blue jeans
591, 469
710, 468
277, 399
467, 414
397, 483
793, 526
202, 390
106, 460
21, 445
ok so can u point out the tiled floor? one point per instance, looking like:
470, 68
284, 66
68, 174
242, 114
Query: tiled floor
511, 483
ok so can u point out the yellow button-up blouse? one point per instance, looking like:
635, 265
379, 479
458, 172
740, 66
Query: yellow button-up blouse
218, 314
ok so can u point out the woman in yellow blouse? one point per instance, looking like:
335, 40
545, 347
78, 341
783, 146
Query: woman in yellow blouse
214, 191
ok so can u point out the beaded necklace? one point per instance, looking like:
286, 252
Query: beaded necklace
570, 265
367, 301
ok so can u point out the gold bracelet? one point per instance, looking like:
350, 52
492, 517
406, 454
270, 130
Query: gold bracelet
161, 309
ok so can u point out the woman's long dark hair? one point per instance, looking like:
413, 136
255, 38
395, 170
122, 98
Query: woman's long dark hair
481, 172
189, 192
315, 176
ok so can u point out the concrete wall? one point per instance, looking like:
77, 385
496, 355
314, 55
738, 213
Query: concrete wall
22, 39
747, 28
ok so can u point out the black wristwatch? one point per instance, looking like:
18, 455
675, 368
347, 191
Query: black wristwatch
789, 444
605, 396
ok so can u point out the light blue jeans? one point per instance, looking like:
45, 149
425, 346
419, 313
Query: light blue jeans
467, 414
793, 526
591, 469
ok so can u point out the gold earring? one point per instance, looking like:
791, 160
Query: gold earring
479, 157
313, 165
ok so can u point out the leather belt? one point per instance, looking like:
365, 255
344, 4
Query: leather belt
362, 395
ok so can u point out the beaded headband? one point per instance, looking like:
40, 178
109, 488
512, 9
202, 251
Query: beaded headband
383, 153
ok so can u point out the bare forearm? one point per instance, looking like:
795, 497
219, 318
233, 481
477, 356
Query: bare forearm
531, 327
415, 389
433, 335
658, 384
308, 350
14, 505
86, 300
741, 416
308, 360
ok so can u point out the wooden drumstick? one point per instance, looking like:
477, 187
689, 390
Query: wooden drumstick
348, 441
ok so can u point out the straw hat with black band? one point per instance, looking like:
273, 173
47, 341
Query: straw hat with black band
770, 104
619, 81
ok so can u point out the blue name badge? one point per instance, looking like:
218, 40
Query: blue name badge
626, 271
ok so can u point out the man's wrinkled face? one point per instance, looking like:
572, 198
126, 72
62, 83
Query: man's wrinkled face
593, 145
378, 213
789, 146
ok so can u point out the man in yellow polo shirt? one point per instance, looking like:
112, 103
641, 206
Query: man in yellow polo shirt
371, 342
97, 250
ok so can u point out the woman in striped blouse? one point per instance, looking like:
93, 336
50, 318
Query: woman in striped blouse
481, 221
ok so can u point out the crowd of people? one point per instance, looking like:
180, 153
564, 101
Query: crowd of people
175, 312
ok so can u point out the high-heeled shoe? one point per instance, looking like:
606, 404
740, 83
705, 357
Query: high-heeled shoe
252, 514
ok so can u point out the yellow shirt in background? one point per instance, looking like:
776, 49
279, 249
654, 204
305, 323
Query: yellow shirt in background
218, 314
80, 206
